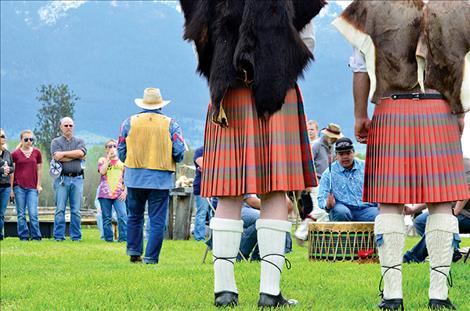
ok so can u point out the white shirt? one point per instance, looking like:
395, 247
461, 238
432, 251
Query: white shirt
357, 62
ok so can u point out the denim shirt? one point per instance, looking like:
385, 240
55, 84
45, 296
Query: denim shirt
148, 178
347, 185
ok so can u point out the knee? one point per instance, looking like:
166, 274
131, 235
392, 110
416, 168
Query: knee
340, 212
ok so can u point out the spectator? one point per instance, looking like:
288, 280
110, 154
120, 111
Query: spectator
250, 213
99, 215
70, 151
27, 185
112, 192
322, 148
202, 206
6, 175
341, 187
312, 128
150, 145
419, 252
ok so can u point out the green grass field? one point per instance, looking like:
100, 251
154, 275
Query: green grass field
94, 275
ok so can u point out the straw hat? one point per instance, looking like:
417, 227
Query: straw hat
152, 99
332, 131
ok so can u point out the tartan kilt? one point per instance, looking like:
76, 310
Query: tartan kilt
256, 155
414, 154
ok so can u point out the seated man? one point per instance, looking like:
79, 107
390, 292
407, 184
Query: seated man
341, 187
419, 252
250, 214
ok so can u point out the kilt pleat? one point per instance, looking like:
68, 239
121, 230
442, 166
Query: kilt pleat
414, 154
254, 155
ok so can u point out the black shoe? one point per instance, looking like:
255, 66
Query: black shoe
456, 256
391, 304
136, 259
271, 301
226, 299
437, 304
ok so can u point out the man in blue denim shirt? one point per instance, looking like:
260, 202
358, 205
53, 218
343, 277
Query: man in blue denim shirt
150, 145
341, 187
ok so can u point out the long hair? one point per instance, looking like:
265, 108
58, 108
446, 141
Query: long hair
21, 137
3, 146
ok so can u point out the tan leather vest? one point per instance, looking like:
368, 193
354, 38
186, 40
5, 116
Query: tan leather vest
149, 144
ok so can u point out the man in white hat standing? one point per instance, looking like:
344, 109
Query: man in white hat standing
150, 145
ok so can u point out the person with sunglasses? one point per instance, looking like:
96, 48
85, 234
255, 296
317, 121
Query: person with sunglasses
112, 192
6, 175
27, 185
70, 151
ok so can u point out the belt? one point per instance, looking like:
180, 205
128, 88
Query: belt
73, 174
417, 96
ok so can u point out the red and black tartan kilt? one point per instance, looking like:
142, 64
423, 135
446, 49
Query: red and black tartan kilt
254, 155
414, 153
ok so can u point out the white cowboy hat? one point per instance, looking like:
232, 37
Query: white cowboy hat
152, 99
332, 131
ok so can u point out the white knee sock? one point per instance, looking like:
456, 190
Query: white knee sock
440, 229
226, 235
271, 240
390, 247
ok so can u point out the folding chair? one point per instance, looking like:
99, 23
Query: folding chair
208, 248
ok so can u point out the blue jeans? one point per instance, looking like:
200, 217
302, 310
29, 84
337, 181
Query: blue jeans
157, 210
27, 198
121, 212
249, 239
4, 198
341, 212
99, 221
68, 189
202, 208
419, 252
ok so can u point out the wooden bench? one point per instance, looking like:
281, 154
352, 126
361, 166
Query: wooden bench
46, 226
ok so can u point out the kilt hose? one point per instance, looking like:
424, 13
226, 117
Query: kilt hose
414, 153
257, 155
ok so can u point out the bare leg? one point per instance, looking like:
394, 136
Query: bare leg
391, 208
229, 207
274, 206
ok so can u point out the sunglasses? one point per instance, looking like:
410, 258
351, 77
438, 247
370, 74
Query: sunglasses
3, 136
110, 146
68, 125
28, 139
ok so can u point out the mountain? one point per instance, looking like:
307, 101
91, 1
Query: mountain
108, 52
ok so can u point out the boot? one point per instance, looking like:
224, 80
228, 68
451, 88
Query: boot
226, 237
